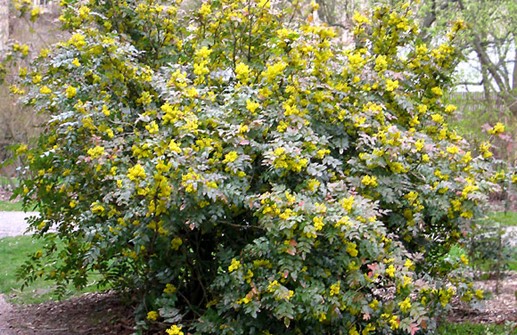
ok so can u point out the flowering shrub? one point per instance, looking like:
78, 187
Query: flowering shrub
247, 175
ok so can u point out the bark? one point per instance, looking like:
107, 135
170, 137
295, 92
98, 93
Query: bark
514, 74
4, 23
513, 92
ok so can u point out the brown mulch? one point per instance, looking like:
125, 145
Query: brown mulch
499, 308
89, 314
5, 193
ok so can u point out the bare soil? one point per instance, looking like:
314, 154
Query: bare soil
5, 193
89, 314
501, 306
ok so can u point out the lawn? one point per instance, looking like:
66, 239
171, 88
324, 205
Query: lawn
13, 252
9, 206
504, 218
475, 329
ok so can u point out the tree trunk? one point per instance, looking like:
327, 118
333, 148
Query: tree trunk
513, 92
4, 24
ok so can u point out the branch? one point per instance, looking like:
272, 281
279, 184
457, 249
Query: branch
339, 25
470, 83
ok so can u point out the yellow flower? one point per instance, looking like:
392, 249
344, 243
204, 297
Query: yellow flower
35, 12
152, 127
437, 91
479, 294
421, 109
16, 90
242, 72
77, 40
174, 147
313, 184
204, 52
45, 90
97, 208
84, 12
95, 152
174, 330
351, 249
205, 9
497, 129
394, 322
318, 223
252, 106
22, 149
397, 167
320, 154
360, 19
136, 172
234, 265
464, 259
381, 63
244, 301
36, 78
450, 108
231, 157
169, 289
243, 129
191, 92
176, 243
405, 305
485, 149
44, 52
369, 181
453, 149
390, 271
391, 85
406, 281
70, 92
335, 288
273, 70
437, 118
272, 286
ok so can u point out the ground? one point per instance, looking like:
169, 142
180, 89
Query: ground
106, 314
500, 308
5, 192
89, 314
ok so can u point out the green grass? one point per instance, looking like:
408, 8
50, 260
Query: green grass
504, 218
475, 329
13, 253
7, 181
9, 206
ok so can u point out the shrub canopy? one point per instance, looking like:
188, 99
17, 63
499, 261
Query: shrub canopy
246, 173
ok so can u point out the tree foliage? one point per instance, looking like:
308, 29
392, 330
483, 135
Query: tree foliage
246, 173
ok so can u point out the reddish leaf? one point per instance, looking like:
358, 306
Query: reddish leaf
414, 328
372, 267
